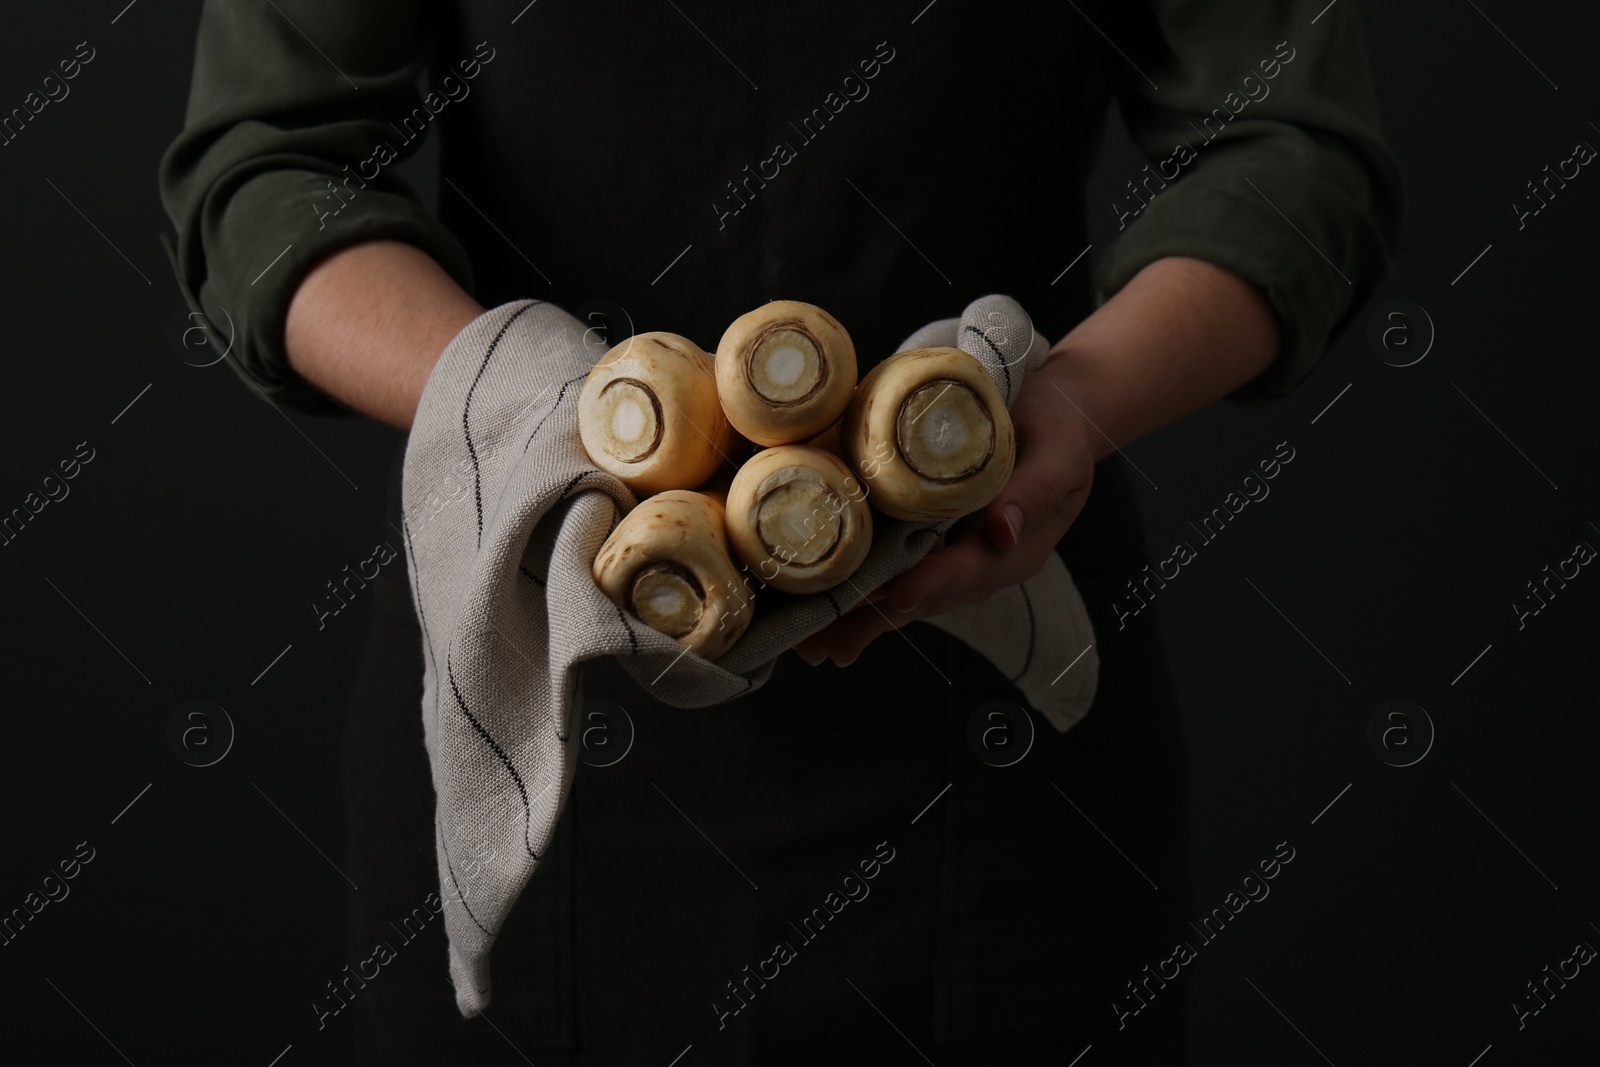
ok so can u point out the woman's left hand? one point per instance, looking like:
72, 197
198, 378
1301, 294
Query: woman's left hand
1015, 534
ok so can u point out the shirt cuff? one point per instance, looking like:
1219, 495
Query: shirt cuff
255, 245
1316, 279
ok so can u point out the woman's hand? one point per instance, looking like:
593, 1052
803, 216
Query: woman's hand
1182, 333
1014, 535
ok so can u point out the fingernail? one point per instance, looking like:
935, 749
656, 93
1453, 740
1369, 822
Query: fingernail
1013, 516
844, 662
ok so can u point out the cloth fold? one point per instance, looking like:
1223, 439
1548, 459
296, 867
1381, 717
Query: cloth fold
503, 515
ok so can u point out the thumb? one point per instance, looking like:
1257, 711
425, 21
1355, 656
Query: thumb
1045, 484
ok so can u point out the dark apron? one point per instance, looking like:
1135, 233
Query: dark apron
1000, 929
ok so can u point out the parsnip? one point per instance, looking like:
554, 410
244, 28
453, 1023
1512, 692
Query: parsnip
667, 563
649, 414
785, 372
798, 518
930, 435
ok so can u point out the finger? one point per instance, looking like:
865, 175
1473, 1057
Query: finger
847, 649
860, 628
1045, 484
814, 649
938, 584
811, 650
952, 573
832, 641
1004, 522
818, 643
951, 582
819, 646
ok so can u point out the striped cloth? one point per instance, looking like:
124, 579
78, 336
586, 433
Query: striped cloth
503, 516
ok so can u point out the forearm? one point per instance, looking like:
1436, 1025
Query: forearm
368, 323
1181, 334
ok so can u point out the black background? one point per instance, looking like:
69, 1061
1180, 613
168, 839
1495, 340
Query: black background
1396, 540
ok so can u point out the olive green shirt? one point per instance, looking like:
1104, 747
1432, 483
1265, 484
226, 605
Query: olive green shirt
886, 167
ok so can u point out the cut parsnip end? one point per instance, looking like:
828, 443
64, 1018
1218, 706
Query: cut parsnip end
649, 414
666, 597
930, 435
785, 366
944, 432
631, 411
785, 372
798, 518
668, 563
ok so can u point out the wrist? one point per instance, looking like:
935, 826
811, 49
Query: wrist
1069, 374
1179, 335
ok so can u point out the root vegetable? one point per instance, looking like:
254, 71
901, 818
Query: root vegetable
785, 372
930, 435
798, 518
668, 564
649, 414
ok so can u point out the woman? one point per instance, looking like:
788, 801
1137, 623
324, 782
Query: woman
676, 166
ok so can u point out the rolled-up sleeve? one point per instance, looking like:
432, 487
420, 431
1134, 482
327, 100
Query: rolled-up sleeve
1266, 158
286, 156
